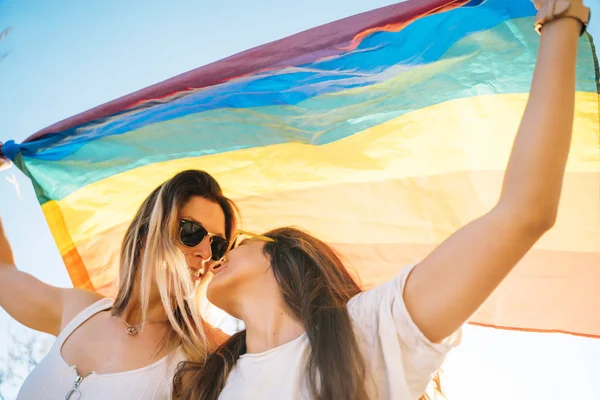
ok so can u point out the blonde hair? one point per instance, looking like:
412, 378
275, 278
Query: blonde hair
150, 255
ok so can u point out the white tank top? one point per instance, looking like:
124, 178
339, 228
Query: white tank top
53, 378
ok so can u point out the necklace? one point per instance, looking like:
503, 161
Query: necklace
133, 330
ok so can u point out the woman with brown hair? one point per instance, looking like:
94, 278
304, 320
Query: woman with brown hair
128, 348
310, 331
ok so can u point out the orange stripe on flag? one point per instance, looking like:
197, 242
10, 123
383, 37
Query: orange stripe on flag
75, 266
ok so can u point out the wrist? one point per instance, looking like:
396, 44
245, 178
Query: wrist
553, 10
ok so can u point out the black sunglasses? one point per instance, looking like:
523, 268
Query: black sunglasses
191, 234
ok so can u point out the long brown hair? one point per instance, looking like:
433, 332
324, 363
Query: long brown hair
316, 287
149, 254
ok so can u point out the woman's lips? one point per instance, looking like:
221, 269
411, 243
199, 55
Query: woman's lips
218, 267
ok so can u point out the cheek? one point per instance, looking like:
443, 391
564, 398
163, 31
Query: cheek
185, 251
182, 248
242, 274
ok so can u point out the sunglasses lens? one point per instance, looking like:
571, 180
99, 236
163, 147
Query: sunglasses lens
191, 233
218, 247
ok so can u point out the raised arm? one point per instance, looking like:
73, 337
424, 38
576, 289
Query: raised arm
33, 303
448, 286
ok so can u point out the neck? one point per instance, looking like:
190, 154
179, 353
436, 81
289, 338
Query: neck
269, 324
155, 313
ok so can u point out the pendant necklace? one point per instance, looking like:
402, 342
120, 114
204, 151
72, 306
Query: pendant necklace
133, 330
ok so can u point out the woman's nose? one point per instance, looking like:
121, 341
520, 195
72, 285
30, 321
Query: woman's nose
203, 250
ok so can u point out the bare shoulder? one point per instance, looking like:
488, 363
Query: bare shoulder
75, 301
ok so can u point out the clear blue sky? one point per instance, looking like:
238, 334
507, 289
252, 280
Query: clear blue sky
68, 56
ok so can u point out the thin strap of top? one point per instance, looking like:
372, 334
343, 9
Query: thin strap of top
99, 306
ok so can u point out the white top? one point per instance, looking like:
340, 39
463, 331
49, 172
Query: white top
400, 361
52, 378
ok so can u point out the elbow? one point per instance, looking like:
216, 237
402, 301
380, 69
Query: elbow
541, 218
540, 222
7, 258
6, 254
535, 222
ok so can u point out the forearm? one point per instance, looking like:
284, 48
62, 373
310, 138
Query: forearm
535, 171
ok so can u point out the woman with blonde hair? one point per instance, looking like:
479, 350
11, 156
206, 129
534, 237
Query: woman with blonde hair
129, 347
311, 333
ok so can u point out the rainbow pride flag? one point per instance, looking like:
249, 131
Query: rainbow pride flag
381, 133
